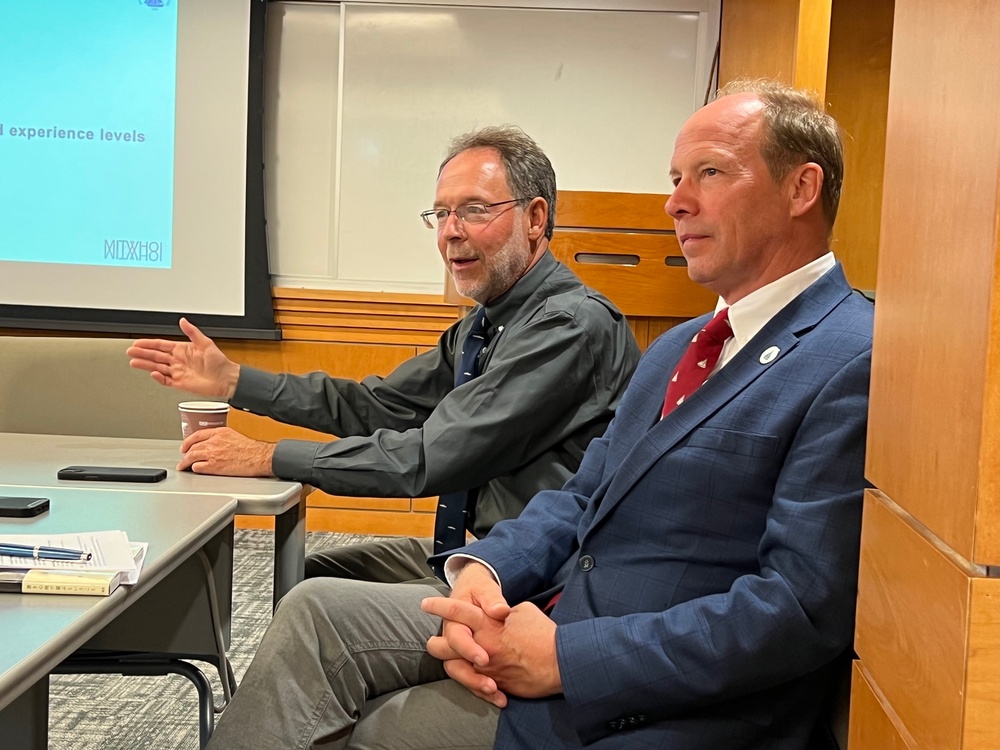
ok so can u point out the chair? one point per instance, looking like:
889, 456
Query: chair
831, 729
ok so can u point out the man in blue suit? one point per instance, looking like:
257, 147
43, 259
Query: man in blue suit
705, 555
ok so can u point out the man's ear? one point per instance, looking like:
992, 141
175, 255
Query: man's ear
538, 216
805, 188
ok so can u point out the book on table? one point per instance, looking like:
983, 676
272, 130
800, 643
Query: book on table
44, 581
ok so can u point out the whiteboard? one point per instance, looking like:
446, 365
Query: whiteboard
364, 98
301, 91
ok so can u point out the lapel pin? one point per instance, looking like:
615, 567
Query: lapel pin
769, 354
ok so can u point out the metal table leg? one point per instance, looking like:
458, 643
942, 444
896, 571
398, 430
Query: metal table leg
24, 723
289, 548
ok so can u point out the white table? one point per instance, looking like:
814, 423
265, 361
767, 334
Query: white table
41, 630
33, 461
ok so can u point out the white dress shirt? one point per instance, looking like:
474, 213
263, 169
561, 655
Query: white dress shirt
753, 312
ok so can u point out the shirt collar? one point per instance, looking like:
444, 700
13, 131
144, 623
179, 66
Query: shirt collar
750, 314
502, 310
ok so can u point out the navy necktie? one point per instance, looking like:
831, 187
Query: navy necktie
452, 512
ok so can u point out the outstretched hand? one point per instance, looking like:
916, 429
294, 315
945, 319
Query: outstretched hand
196, 365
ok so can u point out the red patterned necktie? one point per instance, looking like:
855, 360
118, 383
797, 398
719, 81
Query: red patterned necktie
698, 361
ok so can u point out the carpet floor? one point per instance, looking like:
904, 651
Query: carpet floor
111, 712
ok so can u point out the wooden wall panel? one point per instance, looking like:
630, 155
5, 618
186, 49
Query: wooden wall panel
987, 545
322, 500
425, 504
370, 522
382, 523
928, 632
653, 296
982, 712
928, 627
812, 45
649, 288
605, 210
936, 316
872, 726
620, 244
341, 360
911, 624
786, 40
758, 39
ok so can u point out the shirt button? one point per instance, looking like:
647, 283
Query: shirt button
586, 563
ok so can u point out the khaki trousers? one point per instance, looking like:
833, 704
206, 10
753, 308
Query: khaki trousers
342, 666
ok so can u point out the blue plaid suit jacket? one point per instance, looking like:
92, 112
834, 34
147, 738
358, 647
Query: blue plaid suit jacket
708, 561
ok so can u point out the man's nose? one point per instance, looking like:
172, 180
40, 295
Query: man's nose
678, 202
453, 227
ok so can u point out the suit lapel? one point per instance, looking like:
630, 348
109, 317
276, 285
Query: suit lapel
774, 342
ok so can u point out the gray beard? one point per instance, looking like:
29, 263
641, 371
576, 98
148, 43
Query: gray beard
503, 270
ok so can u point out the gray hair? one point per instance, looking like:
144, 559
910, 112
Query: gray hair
529, 171
797, 130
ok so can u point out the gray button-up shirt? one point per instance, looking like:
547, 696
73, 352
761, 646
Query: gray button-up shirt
551, 378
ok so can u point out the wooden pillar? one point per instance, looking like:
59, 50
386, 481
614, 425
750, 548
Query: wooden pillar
840, 50
857, 94
782, 39
928, 627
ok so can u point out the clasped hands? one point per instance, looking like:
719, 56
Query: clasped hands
491, 648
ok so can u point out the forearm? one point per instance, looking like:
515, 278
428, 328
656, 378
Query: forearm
335, 406
356, 467
389, 463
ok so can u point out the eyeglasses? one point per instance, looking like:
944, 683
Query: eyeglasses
470, 213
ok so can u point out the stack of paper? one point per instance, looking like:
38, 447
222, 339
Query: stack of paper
114, 559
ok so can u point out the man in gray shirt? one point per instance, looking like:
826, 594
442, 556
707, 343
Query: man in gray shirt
556, 360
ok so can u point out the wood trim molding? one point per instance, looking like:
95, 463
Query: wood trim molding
362, 317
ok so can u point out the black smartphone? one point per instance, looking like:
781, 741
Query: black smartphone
23, 507
112, 474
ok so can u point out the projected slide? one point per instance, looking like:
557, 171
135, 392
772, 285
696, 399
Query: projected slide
87, 97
